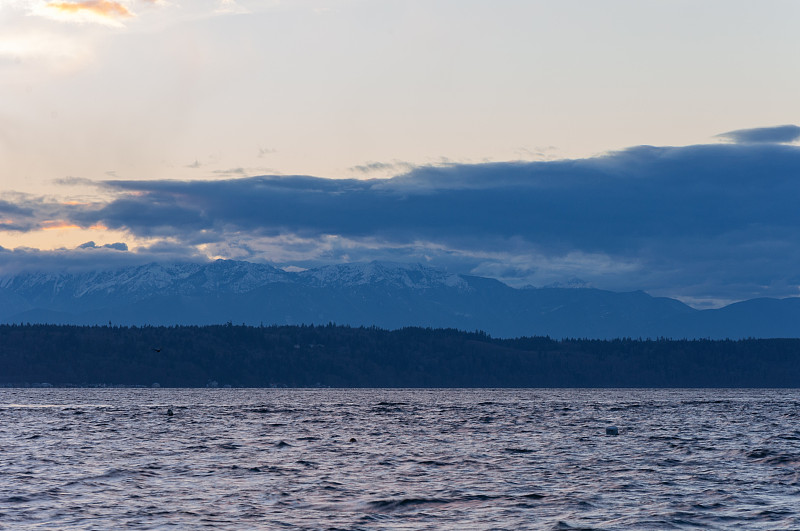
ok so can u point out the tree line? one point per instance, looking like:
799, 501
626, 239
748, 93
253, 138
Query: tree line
342, 356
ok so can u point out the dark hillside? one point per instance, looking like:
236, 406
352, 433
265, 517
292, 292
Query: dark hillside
337, 356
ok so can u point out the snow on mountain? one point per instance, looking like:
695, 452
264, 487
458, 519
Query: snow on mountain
390, 295
226, 276
221, 276
413, 276
573, 283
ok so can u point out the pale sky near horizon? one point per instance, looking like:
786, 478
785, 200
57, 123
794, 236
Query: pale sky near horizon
187, 90
153, 90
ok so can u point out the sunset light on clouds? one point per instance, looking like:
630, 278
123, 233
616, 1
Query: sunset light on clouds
102, 12
528, 141
104, 8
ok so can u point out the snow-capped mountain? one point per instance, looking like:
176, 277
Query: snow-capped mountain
140, 282
389, 295
411, 276
574, 282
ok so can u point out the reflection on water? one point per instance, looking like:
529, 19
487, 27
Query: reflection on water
235, 459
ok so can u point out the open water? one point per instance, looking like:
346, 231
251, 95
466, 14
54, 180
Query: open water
420, 459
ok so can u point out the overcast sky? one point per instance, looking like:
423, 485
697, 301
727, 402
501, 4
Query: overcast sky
499, 138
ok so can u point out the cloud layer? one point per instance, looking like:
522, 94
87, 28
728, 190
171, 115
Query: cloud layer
104, 8
779, 134
707, 223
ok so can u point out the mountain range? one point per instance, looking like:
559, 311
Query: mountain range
387, 295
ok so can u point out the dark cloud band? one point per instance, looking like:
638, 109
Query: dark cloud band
779, 134
698, 221
617, 203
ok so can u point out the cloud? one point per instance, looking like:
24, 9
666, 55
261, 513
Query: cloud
707, 222
383, 167
230, 7
102, 12
21, 212
7, 207
75, 181
90, 258
231, 171
262, 152
118, 246
105, 8
779, 134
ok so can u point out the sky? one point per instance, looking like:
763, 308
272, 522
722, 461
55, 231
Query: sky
628, 144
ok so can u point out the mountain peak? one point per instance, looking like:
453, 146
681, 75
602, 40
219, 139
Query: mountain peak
387, 294
414, 276
572, 283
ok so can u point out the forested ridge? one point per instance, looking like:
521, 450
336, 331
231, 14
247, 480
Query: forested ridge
341, 356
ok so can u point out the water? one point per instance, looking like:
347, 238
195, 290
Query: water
421, 459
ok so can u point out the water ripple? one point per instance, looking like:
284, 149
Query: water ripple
385, 459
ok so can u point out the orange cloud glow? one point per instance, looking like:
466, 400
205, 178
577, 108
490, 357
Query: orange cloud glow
58, 225
105, 8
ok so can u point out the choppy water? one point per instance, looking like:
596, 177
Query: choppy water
422, 459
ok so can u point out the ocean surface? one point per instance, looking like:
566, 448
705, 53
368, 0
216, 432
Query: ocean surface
399, 459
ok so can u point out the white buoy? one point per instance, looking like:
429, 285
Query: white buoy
612, 430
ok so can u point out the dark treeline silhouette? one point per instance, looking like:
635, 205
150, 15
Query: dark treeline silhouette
340, 356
